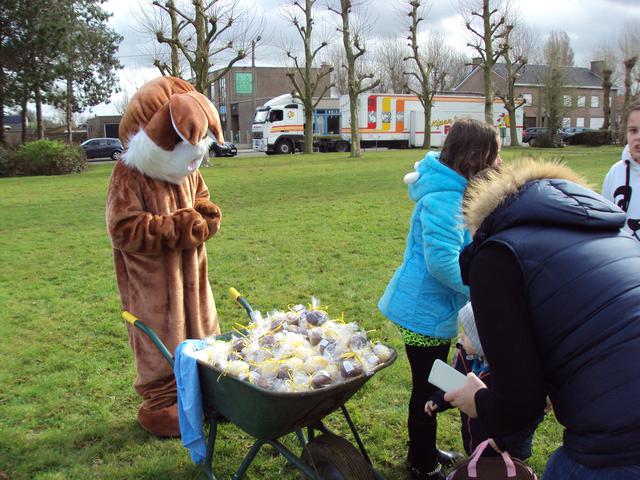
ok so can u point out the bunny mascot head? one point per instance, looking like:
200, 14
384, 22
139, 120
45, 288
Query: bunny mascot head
158, 217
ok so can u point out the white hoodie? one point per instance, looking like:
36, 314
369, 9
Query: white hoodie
613, 189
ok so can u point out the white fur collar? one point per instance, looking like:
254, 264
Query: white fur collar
146, 157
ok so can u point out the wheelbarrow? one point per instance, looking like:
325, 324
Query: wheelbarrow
267, 416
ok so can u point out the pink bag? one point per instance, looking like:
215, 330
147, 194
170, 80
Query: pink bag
491, 468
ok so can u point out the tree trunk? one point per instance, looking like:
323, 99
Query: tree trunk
201, 64
511, 110
428, 103
23, 118
39, 118
513, 127
68, 112
356, 152
308, 128
175, 60
628, 67
2, 80
488, 67
606, 106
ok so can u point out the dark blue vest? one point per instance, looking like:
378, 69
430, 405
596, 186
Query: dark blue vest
582, 284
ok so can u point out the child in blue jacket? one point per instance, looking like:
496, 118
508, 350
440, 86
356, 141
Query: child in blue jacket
426, 291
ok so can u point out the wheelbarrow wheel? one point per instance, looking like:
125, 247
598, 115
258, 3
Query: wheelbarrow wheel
334, 458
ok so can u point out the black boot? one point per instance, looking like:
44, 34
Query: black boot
448, 458
435, 474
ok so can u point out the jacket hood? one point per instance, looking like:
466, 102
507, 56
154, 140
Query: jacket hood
548, 193
432, 176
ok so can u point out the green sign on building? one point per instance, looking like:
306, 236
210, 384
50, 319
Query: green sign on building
244, 83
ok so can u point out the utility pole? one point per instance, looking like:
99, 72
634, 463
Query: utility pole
253, 75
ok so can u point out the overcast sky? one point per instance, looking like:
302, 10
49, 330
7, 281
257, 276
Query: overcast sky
589, 24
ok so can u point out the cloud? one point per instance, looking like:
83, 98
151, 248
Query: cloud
589, 24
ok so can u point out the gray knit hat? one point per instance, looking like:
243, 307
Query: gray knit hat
468, 322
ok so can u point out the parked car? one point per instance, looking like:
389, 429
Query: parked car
533, 132
227, 149
102, 148
571, 131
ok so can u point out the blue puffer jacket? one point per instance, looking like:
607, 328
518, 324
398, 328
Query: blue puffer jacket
426, 291
582, 280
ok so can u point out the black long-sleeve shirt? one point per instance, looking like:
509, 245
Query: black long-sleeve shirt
517, 394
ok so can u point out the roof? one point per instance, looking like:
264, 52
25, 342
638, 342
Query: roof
534, 75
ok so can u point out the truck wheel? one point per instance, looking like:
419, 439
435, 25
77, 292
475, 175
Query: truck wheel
342, 146
283, 147
334, 458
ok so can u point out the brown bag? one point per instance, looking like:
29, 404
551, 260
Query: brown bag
491, 468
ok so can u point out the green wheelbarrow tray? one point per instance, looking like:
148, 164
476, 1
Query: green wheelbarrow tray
265, 414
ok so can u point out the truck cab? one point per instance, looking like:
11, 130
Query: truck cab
278, 126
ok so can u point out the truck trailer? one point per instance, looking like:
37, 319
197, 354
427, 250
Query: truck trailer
385, 120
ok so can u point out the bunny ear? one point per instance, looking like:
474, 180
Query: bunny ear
213, 119
187, 117
193, 115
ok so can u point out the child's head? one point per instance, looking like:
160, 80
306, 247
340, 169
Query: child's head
469, 337
470, 147
633, 130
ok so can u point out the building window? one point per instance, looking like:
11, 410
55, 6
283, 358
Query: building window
595, 101
566, 122
528, 98
581, 101
580, 122
244, 83
566, 100
596, 122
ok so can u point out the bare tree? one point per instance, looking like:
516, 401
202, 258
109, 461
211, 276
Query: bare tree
558, 55
123, 101
389, 55
427, 76
558, 47
519, 41
337, 57
154, 20
630, 51
357, 82
305, 79
607, 64
206, 33
488, 29
457, 68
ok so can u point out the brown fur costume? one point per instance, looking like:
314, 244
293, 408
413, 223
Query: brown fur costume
158, 216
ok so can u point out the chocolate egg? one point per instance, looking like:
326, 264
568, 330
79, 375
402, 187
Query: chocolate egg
350, 368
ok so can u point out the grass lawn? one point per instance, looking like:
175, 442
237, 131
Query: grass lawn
292, 226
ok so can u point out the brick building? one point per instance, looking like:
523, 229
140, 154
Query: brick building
583, 100
236, 96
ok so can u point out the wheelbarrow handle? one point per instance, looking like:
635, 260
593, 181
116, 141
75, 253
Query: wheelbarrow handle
242, 301
134, 321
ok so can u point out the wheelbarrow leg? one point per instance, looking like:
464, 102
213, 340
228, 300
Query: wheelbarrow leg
352, 426
208, 462
248, 459
347, 417
294, 459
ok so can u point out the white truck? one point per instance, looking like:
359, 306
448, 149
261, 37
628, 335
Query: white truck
385, 120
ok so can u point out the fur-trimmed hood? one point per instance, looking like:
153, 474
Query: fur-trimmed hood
561, 196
